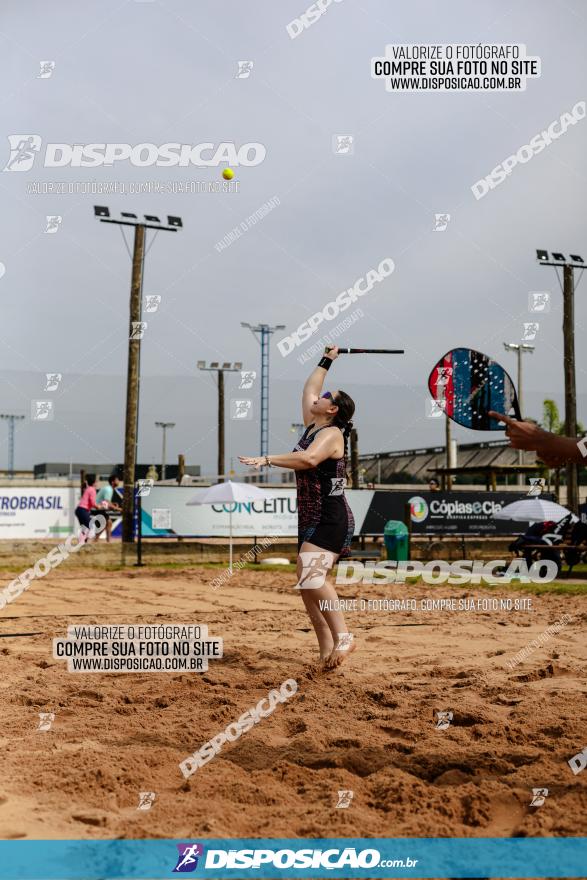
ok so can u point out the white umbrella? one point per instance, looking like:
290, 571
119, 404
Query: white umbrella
228, 493
532, 510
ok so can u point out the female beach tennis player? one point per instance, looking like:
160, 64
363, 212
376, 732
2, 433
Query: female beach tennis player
325, 520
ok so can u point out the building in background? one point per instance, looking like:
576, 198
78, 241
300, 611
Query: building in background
419, 465
52, 469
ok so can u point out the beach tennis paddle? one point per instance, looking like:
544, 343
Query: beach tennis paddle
466, 385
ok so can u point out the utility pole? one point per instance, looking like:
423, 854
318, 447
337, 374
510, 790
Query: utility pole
558, 260
221, 460
215, 367
134, 352
180, 468
265, 331
11, 418
447, 432
132, 386
570, 385
164, 425
520, 348
354, 437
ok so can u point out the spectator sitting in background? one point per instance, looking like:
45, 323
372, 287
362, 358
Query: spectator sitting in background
433, 485
104, 500
534, 535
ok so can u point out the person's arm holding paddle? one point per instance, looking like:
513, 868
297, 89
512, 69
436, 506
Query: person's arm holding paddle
314, 383
552, 449
326, 444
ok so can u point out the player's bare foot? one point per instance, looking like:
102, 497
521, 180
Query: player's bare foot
326, 648
341, 651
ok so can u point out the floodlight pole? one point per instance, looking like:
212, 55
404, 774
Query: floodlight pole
11, 420
570, 383
134, 356
226, 368
520, 349
164, 425
568, 266
132, 387
265, 331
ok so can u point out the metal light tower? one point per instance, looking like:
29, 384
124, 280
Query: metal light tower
265, 331
11, 420
519, 348
559, 260
227, 367
134, 351
164, 425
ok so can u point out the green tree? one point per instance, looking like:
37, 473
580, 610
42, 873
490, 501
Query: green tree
551, 420
550, 417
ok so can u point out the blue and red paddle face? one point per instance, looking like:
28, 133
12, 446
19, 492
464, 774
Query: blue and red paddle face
467, 384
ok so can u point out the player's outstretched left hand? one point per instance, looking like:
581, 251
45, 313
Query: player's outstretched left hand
523, 435
255, 461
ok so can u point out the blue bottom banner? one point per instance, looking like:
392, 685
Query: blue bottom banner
527, 857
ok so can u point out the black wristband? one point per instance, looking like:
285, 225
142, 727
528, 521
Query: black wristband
325, 362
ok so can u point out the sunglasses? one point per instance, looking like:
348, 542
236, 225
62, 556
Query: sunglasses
329, 396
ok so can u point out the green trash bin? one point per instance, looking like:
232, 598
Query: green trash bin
395, 534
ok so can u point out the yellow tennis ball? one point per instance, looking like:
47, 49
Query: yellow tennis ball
228, 174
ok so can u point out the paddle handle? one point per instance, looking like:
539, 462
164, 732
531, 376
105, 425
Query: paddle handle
367, 350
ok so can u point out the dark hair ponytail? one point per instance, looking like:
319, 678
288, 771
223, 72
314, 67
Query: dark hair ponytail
343, 419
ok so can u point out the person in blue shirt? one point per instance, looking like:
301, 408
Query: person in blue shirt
107, 500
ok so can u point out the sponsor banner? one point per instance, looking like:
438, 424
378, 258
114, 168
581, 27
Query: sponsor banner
446, 513
275, 515
37, 513
49, 513
432, 513
303, 858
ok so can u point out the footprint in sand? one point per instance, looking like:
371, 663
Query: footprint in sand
397, 733
506, 816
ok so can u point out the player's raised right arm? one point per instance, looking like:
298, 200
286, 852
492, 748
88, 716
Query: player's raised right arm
313, 386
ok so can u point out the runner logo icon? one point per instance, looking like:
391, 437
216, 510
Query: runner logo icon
187, 860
